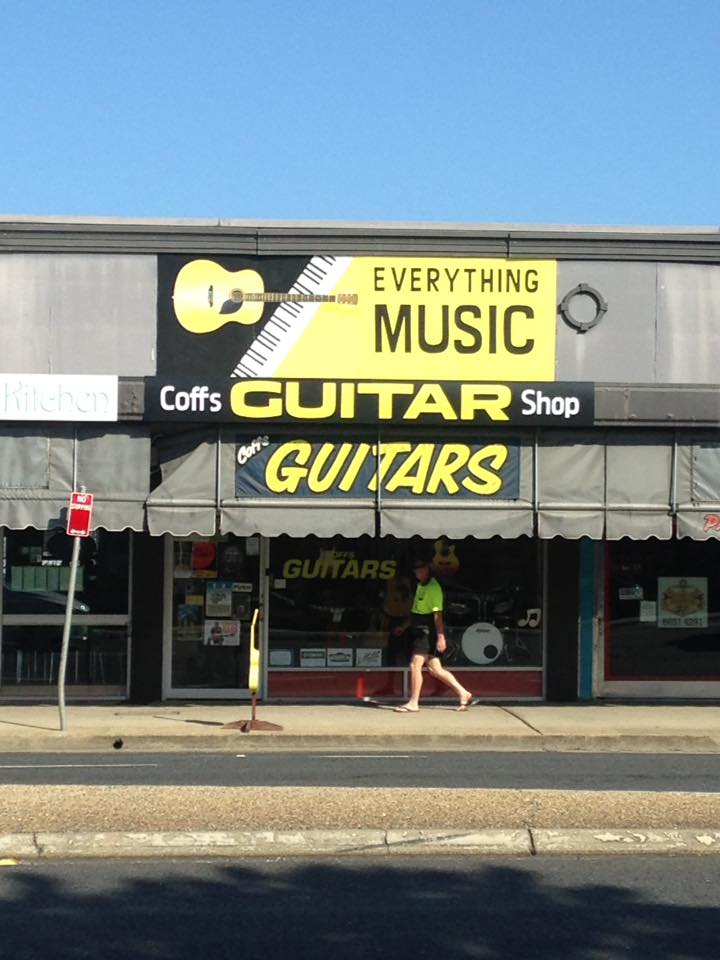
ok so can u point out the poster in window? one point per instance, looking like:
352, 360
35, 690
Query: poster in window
682, 602
204, 559
218, 599
221, 633
231, 560
189, 615
339, 657
312, 657
241, 602
368, 657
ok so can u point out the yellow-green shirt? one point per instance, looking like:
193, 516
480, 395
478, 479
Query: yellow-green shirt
428, 597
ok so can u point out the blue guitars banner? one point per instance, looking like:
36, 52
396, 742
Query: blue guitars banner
394, 468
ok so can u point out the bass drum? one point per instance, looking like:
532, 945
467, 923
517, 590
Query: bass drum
482, 643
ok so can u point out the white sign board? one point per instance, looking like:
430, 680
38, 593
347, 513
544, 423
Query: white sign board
49, 396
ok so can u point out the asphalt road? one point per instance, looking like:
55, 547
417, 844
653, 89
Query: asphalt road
455, 908
543, 771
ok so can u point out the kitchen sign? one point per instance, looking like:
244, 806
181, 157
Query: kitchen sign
65, 397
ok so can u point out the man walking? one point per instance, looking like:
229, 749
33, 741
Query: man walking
428, 639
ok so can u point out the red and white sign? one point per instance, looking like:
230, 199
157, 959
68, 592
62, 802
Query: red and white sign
79, 514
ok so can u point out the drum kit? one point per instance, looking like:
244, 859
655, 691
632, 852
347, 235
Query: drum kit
485, 641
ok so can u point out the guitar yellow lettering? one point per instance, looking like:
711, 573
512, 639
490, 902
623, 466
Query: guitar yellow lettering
493, 399
299, 466
412, 472
240, 393
489, 481
430, 399
451, 458
386, 452
319, 482
294, 406
283, 478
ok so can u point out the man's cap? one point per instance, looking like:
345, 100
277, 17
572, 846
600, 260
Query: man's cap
419, 562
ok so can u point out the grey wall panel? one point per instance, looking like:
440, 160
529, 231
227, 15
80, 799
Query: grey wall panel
78, 313
688, 323
621, 347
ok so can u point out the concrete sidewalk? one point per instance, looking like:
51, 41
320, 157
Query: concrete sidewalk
362, 725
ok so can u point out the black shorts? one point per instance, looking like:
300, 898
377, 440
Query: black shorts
424, 641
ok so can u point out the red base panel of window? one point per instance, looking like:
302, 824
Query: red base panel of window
348, 684
490, 683
315, 684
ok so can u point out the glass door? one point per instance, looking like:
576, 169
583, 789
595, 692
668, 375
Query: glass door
212, 589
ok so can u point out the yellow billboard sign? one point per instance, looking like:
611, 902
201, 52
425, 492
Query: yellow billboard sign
382, 318
431, 318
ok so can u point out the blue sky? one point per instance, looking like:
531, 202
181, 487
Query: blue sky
484, 111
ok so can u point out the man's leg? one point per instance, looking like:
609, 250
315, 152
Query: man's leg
438, 670
417, 663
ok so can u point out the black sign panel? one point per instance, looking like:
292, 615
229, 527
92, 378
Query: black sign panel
368, 402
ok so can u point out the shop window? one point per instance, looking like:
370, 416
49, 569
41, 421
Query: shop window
97, 656
215, 593
662, 610
336, 603
36, 572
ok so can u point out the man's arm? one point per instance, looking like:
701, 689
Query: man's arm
441, 643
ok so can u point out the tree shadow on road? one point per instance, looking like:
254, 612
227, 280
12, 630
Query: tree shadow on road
467, 908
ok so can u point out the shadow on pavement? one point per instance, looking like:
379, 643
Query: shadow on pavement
30, 726
202, 723
466, 908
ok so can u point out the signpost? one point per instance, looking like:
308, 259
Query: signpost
78, 526
79, 514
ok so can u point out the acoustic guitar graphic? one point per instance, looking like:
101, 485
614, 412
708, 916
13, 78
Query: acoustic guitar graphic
206, 296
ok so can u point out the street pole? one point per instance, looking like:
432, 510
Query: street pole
66, 630
78, 525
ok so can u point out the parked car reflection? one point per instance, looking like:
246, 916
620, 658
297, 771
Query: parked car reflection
39, 602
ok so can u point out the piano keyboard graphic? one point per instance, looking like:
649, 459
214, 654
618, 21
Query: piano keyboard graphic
286, 325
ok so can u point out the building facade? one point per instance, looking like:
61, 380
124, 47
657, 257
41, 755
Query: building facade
276, 418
